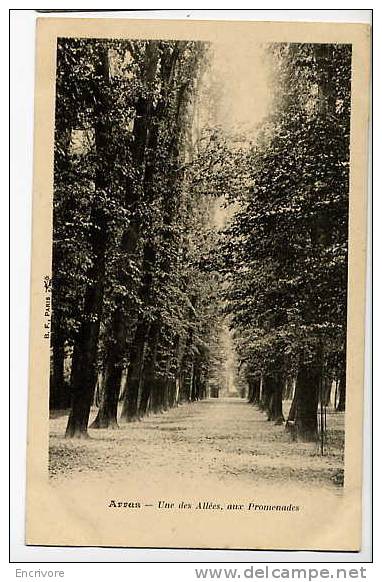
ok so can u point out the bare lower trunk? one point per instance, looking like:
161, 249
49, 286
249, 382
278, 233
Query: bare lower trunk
275, 409
108, 408
148, 373
254, 390
326, 391
83, 380
172, 392
187, 374
342, 393
84, 368
194, 385
266, 394
307, 395
290, 423
134, 374
289, 388
166, 403
58, 393
156, 396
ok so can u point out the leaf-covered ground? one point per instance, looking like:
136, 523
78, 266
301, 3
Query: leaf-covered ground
218, 440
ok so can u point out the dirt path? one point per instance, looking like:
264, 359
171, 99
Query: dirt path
217, 440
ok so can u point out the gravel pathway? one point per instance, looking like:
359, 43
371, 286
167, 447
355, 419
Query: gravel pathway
218, 440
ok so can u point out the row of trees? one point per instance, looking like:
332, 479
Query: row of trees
285, 251
142, 279
131, 227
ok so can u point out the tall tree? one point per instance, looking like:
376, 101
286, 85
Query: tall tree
124, 300
85, 350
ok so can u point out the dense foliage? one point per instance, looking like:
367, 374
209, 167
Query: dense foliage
143, 281
286, 249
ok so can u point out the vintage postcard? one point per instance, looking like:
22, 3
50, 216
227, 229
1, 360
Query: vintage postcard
198, 284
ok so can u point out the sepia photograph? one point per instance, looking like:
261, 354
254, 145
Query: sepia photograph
196, 313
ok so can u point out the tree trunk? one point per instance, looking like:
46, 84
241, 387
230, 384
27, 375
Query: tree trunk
177, 372
85, 350
266, 395
290, 423
139, 343
116, 347
256, 390
108, 407
160, 391
250, 391
194, 383
186, 376
326, 390
189, 382
289, 388
275, 407
134, 374
307, 394
341, 405
59, 396
148, 374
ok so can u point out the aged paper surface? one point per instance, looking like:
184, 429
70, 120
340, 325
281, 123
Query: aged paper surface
156, 505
